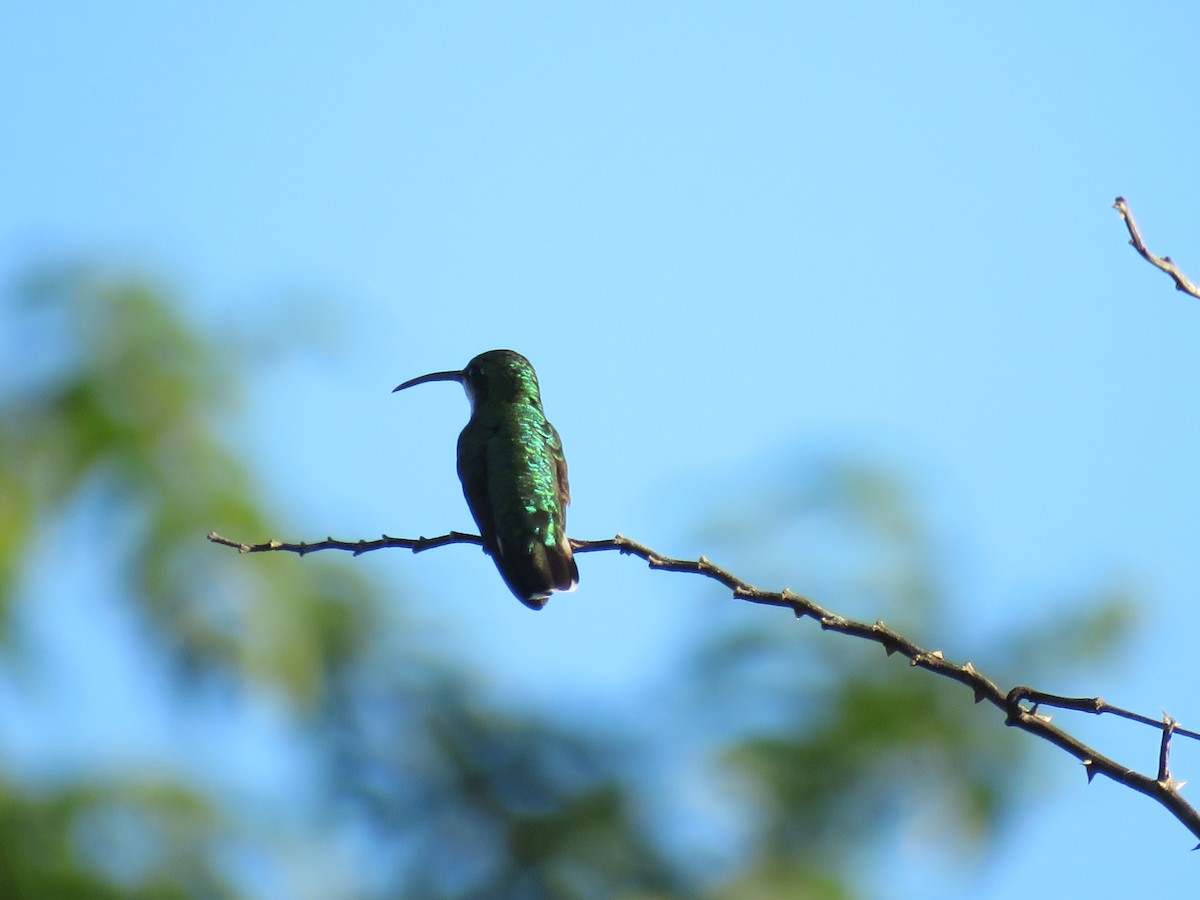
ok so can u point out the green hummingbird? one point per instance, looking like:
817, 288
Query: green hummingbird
514, 475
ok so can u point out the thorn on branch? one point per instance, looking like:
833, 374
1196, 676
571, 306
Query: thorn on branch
927, 658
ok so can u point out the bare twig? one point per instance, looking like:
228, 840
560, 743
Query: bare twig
1182, 282
1094, 705
416, 545
1162, 788
1164, 754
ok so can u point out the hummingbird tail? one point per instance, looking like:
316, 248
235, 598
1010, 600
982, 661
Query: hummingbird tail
539, 574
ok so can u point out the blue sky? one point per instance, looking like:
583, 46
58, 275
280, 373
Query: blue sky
726, 236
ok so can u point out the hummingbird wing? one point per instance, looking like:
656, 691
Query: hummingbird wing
473, 473
560, 466
561, 561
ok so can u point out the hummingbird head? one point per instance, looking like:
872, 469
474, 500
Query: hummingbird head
495, 375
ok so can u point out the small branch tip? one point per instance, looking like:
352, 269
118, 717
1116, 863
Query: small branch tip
1163, 263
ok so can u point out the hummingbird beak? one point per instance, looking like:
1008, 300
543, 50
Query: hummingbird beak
436, 376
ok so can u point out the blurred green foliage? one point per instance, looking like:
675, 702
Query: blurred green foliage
117, 408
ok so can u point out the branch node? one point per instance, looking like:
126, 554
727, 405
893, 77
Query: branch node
927, 658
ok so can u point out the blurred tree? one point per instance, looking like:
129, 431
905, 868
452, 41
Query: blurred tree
852, 750
111, 412
113, 405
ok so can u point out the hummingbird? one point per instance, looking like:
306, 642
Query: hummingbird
514, 475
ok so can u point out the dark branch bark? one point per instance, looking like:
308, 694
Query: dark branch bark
416, 545
1162, 788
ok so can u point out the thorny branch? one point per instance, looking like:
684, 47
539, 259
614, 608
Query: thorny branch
1182, 282
1019, 705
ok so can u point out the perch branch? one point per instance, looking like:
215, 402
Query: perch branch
1019, 705
1182, 282
416, 545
